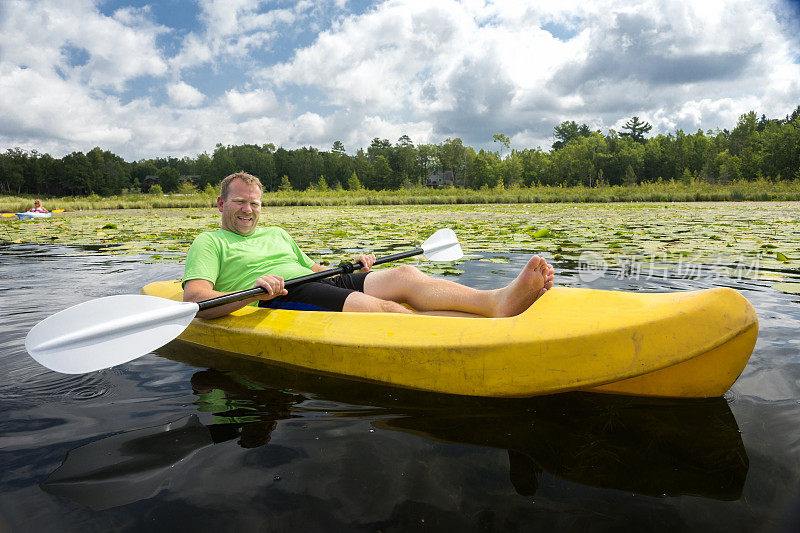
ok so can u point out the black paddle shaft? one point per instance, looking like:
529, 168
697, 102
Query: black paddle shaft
344, 268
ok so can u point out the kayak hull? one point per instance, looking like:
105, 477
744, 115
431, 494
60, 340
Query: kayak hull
32, 214
689, 344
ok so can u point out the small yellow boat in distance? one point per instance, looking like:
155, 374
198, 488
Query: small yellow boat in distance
684, 344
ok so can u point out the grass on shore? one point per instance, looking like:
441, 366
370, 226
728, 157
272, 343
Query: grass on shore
664, 191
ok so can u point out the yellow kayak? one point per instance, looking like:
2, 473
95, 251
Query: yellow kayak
685, 344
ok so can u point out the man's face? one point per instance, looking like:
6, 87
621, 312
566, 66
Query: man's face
241, 209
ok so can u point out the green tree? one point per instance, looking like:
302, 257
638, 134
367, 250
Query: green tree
453, 156
630, 176
567, 132
141, 169
353, 184
382, 173
320, 184
379, 147
504, 141
780, 150
169, 179
402, 160
338, 147
536, 167
425, 162
77, 174
636, 129
285, 185
222, 162
12, 167
511, 171
480, 173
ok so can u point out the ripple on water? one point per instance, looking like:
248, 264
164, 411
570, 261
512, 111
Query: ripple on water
32, 385
87, 393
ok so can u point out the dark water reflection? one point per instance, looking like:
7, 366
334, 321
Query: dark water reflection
187, 438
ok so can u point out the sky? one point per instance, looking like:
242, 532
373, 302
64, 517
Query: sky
164, 78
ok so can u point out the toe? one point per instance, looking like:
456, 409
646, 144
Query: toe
534, 262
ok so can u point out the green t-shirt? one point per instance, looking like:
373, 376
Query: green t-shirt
233, 262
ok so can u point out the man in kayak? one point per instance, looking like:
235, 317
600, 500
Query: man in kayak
37, 208
241, 255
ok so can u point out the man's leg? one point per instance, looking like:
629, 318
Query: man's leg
385, 290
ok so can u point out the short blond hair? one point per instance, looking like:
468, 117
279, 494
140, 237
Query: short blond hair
249, 179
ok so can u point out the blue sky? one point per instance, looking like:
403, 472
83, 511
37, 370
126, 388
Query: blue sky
174, 78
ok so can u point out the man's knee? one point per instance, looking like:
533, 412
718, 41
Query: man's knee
388, 306
360, 302
397, 284
408, 272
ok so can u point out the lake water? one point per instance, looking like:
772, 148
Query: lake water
168, 443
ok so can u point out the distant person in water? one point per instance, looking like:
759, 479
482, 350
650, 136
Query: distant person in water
37, 207
241, 255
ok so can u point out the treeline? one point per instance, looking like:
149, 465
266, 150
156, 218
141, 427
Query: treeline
756, 148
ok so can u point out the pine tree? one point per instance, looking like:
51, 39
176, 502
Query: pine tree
637, 129
630, 176
353, 183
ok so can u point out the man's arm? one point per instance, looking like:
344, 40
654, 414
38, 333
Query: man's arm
366, 259
196, 290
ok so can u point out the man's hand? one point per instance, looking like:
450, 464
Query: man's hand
367, 260
273, 285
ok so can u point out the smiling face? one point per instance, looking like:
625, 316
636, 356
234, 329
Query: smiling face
240, 208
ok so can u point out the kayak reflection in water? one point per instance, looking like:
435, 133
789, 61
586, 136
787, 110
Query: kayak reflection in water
654, 447
137, 465
37, 207
241, 255
241, 408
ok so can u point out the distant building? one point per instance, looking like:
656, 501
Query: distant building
149, 181
440, 179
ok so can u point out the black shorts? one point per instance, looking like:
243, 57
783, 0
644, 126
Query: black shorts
327, 294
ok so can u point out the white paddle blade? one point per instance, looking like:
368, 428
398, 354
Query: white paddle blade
442, 246
106, 332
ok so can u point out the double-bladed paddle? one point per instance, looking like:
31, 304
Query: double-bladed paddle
113, 330
54, 211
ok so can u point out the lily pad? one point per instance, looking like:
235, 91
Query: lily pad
788, 287
673, 233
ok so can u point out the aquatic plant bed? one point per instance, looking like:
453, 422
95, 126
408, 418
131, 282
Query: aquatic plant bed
760, 239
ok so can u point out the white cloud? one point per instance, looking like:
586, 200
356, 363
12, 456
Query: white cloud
72, 78
44, 107
478, 69
195, 51
232, 29
181, 94
39, 35
253, 103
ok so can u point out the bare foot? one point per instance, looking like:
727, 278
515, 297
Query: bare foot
536, 278
551, 274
